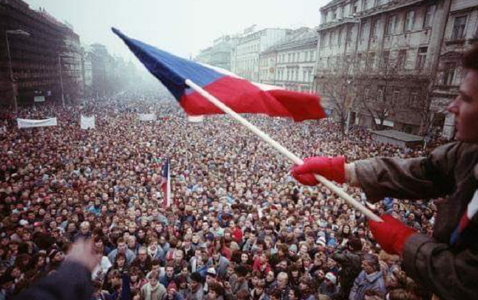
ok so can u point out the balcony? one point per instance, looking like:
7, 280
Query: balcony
337, 22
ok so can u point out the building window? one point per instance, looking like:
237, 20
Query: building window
459, 25
449, 73
371, 60
391, 25
380, 94
339, 37
410, 20
348, 37
362, 30
355, 7
429, 16
422, 57
402, 59
396, 95
413, 98
374, 28
385, 58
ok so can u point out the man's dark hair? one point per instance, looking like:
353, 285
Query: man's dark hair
470, 59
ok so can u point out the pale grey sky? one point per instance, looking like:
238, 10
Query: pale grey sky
182, 27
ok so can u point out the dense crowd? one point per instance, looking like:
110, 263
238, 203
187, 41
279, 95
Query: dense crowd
239, 226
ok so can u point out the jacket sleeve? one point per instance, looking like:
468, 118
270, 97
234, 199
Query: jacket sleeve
414, 178
72, 281
451, 274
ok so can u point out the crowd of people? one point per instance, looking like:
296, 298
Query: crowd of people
239, 226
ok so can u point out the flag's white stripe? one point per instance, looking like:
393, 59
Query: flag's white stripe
472, 206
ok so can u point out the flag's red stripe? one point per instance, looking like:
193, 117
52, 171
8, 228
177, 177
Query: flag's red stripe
244, 97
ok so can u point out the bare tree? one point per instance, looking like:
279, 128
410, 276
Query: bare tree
335, 86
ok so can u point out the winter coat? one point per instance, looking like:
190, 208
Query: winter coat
153, 293
365, 282
350, 267
72, 281
450, 171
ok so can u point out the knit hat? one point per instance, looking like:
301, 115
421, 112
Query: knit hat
211, 272
321, 241
172, 286
330, 276
293, 248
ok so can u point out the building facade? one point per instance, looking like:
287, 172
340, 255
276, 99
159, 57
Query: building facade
291, 63
383, 55
248, 48
460, 34
45, 56
218, 55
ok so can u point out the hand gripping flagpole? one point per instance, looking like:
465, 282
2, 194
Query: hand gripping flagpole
351, 201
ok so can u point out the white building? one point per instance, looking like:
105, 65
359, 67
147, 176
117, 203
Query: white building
248, 48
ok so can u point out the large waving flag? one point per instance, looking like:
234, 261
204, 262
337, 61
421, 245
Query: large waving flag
237, 93
166, 184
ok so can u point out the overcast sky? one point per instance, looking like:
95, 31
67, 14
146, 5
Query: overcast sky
182, 27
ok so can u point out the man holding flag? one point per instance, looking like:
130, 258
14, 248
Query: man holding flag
446, 263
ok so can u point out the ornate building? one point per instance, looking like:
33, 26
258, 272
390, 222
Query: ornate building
42, 55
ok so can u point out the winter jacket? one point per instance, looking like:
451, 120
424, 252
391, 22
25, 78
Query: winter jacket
450, 171
350, 267
365, 282
72, 281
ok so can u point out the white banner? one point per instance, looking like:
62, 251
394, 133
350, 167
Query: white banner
87, 122
195, 119
26, 123
147, 117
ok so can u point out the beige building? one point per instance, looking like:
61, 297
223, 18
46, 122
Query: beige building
248, 48
461, 33
382, 57
291, 62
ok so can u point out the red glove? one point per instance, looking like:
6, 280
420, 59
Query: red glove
391, 234
332, 168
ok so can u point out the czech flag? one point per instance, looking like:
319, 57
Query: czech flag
465, 220
166, 184
237, 93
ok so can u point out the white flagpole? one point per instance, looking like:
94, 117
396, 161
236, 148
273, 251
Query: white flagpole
351, 201
168, 185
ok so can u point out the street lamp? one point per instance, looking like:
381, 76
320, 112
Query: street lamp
13, 32
61, 81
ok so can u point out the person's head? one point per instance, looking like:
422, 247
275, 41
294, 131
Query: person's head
210, 275
282, 280
170, 271
143, 254
196, 281
153, 278
331, 279
121, 245
120, 260
370, 263
465, 106
114, 276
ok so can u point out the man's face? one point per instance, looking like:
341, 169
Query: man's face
122, 247
465, 109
